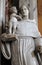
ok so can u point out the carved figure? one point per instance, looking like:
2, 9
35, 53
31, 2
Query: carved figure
24, 54
13, 20
28, 46
22, 47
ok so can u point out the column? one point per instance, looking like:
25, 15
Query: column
35, 13
3, 12
25, 2
33, 10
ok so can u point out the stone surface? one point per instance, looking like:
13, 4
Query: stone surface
25, 2
33, 10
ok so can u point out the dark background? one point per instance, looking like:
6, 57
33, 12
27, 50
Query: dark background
4, 61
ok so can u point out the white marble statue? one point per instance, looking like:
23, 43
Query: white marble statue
26, 31
13, 20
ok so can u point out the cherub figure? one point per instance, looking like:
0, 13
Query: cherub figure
13, 20
8, 37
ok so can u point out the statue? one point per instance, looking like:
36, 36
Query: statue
27, 44
23, 51
22, 32
37, 36
13, 20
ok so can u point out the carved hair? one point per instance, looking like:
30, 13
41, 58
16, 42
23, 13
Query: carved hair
22, 7
24, 11
13, 9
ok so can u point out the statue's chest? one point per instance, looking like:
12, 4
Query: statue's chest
27, 29
22, 28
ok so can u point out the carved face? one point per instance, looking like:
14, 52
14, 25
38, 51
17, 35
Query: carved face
24, 11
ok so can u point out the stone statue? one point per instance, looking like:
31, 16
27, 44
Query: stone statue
23, 51
22, 32
24, 12
13, 20
28, 55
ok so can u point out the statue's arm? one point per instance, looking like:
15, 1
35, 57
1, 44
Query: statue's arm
18, 17
8, 37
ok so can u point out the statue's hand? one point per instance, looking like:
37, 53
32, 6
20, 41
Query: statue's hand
18, 17
3, 36
8, 37
12, 36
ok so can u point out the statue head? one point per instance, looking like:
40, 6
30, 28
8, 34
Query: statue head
24, 10
13, 10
